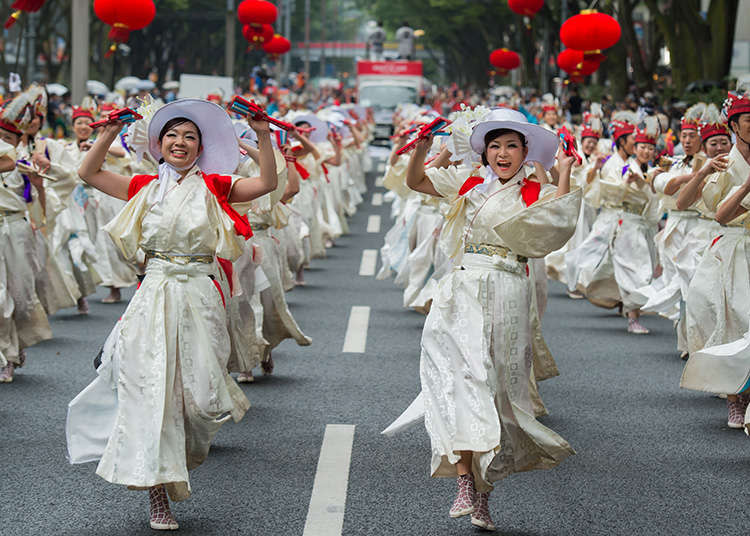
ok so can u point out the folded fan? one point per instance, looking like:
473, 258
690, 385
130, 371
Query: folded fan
569, 143
249, 108
124, 115
435, 128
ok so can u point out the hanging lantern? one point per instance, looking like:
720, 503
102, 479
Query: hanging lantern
124, 17
257, 12
576, 64
527, 8
505, 60
257, 34
20, 6
590, 31
277, 46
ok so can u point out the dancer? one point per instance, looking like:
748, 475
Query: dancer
170, 349
475, 364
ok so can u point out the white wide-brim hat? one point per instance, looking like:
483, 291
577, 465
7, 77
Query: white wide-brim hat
542, 143
320, 133
221, 152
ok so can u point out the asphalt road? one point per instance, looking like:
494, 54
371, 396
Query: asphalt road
651, 458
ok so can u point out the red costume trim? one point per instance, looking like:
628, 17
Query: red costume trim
470, 183
530, 191
303, 173
219, 185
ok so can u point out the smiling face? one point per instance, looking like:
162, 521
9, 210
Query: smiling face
644, 152
719, 144
82, 129
506, 153
181, 144
691, 142
588, 144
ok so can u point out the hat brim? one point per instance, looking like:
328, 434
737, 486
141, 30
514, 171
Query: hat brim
320, 133
542, 143
220, 152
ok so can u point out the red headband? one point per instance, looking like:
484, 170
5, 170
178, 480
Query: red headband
81, 112
621, 128
736, 104
708, 131
10, 127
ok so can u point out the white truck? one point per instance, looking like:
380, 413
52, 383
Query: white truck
383, 85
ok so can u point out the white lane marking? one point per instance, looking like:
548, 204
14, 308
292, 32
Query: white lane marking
377, 199
325, 517
356, 332
381, 167
369, 260
373, 223
379, 181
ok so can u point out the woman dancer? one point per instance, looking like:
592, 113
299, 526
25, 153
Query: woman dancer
476, 352
173, 388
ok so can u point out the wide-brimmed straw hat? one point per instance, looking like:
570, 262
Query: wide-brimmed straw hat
542, 143
221, 152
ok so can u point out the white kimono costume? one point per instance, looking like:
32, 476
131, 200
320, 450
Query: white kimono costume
167, 357
476, 360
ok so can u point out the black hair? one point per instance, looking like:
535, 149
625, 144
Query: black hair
494, 134
177, 121
621, 141
303, 124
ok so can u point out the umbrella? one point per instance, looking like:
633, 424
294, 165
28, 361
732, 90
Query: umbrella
56, 89
173, 84
127, 83
96, 88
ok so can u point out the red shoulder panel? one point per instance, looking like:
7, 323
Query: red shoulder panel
470, 183
302, 170
530, 191
221, 186
138, 182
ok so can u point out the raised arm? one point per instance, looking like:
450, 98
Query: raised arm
307, 146
732, 208
91, 171
416, 179
690, 193
247, 189
564, 166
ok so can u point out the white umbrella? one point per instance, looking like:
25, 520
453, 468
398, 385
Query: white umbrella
172, 84
56, 89
96, 88
127, 83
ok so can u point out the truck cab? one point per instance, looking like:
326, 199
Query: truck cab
383, 85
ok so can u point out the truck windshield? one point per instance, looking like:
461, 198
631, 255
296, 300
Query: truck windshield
387, 96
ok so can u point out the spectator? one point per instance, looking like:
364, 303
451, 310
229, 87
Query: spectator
405, 37
375, 41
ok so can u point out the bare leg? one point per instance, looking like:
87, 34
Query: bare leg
114, 296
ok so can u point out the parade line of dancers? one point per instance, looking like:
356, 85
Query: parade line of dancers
214, 211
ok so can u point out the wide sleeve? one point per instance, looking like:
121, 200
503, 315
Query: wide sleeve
125, 228
715, 190
448, 181
229, 245
543, 227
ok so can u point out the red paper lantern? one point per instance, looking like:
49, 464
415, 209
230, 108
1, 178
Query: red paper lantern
29, 6
505, 60
257, 12
576, 64
590, 31
257, 34
527, 8
124, 17
277, 46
